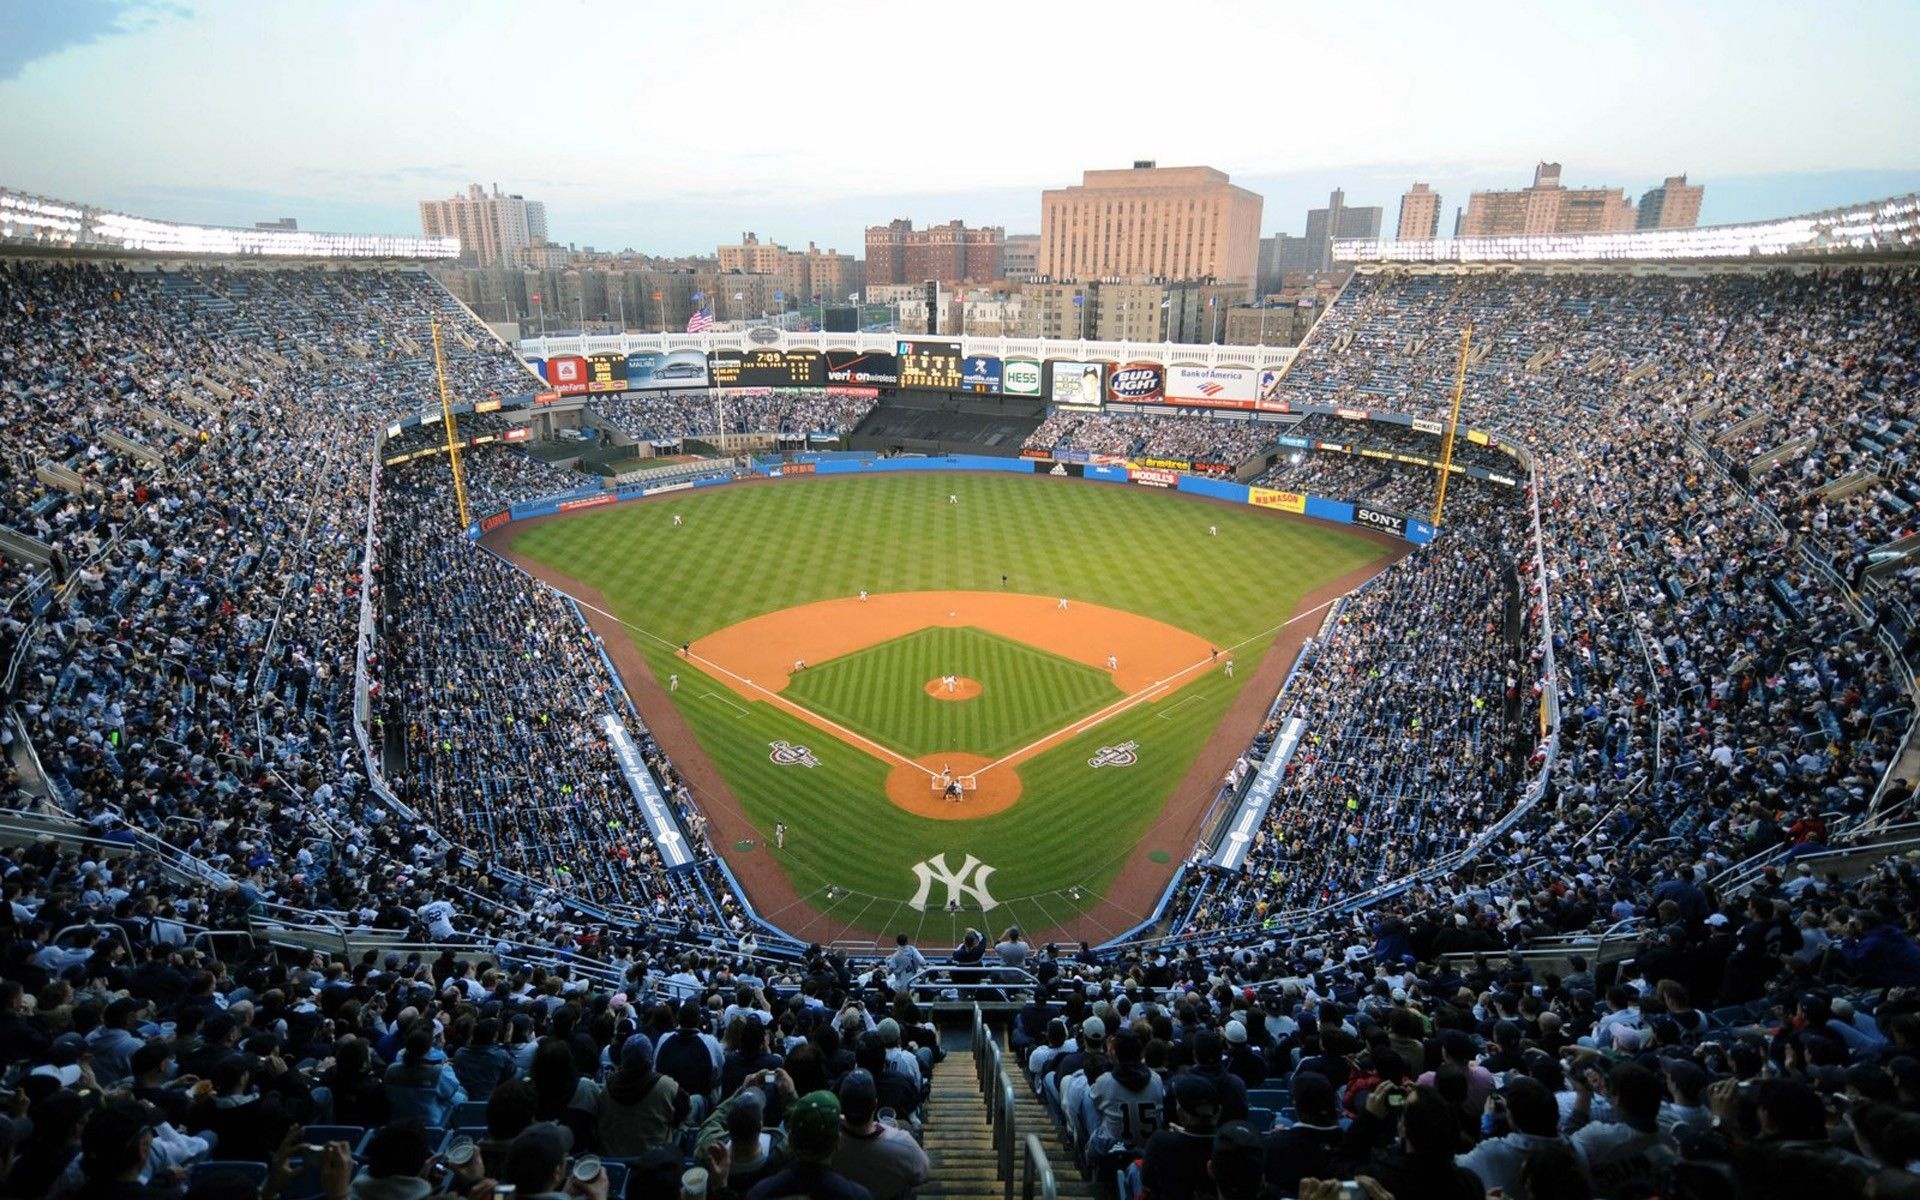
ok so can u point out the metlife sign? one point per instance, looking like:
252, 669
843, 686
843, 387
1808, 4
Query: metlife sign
672, 844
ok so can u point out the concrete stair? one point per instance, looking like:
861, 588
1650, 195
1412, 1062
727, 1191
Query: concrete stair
959, 1139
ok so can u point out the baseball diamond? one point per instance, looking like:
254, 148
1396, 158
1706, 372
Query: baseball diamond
773, 574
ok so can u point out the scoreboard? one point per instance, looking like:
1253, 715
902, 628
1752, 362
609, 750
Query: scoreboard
931, 365
767, 369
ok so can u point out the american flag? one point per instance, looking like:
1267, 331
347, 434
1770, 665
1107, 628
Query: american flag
700, 321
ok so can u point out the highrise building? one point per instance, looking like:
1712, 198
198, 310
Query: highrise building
798, 275
493, 229
1419, 213
1149, 221
1337, 220
1547, 207
951, 253
1281, 255
1675, 204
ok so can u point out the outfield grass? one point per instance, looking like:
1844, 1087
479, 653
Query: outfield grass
747, 550
881, 692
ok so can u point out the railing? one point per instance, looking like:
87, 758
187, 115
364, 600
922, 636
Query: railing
1036, 1174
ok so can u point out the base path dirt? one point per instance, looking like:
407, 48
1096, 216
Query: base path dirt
962, 689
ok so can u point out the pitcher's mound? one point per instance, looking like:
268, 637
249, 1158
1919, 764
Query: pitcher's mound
963, 688
912, 788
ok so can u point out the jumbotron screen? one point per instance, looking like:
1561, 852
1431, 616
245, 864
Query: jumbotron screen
931, 365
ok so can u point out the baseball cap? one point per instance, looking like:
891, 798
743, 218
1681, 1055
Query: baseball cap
813, 1123
1239, 1161
1717, 919
1195, 1092
1095, 1028
1236, 1033
889, 1031
859, 1098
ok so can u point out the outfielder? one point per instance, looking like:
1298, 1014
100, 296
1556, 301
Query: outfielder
673, 683
779, 835
676, 519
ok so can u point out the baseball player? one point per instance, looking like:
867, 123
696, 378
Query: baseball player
1062, 604
779, 835
1113, 663
863, 595
1213, 531
1229, 666
676, 519
673, 683
952, 499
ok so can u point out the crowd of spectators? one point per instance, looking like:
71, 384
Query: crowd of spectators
1199, 439
671, 416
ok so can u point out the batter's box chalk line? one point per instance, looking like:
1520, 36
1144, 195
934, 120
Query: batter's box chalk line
737, 710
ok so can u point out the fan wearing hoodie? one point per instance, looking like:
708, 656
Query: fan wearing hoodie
1128, 1100
639, 1108
421, 1084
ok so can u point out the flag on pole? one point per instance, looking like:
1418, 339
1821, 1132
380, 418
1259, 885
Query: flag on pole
700, 321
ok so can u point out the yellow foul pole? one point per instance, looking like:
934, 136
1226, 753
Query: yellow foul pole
1446, 444
453, 434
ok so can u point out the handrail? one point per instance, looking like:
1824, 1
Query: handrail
1036, 1181
1004, 1133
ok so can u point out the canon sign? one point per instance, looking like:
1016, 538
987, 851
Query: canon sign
1385, 522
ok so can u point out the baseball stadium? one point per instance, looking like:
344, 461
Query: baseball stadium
1516, 672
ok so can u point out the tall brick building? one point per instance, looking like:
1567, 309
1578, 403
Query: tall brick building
951, 253
1150, 221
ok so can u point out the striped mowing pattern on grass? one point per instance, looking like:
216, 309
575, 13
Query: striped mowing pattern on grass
747, 550
880, 692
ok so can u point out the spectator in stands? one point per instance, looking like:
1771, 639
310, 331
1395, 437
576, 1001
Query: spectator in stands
422, 1085
884, 1159
813, 1136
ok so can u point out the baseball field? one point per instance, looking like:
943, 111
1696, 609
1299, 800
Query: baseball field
977, 691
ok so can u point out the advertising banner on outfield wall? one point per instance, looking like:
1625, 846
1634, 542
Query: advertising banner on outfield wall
1377, 518
1269, 391
1020, 377
1153, 477
1059, 470
1292, 502
1137, 383
1161, 464
1211, 387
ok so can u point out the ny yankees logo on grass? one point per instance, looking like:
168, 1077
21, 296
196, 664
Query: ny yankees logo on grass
1124, 755
786, 754
936, 870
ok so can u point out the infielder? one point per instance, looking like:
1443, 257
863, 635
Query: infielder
1213, 531
779, 835
676, 519
863, 595
1229, 667
673, 683
1113, 663
1062, 604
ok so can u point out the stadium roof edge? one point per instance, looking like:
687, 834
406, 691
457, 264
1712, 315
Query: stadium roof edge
41, 225
1879, 229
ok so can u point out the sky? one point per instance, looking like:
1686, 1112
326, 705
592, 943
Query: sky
671, 127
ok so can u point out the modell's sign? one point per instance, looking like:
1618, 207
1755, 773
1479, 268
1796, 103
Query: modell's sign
1136, 383
1154, 478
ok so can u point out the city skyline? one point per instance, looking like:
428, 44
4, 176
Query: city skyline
660, 158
